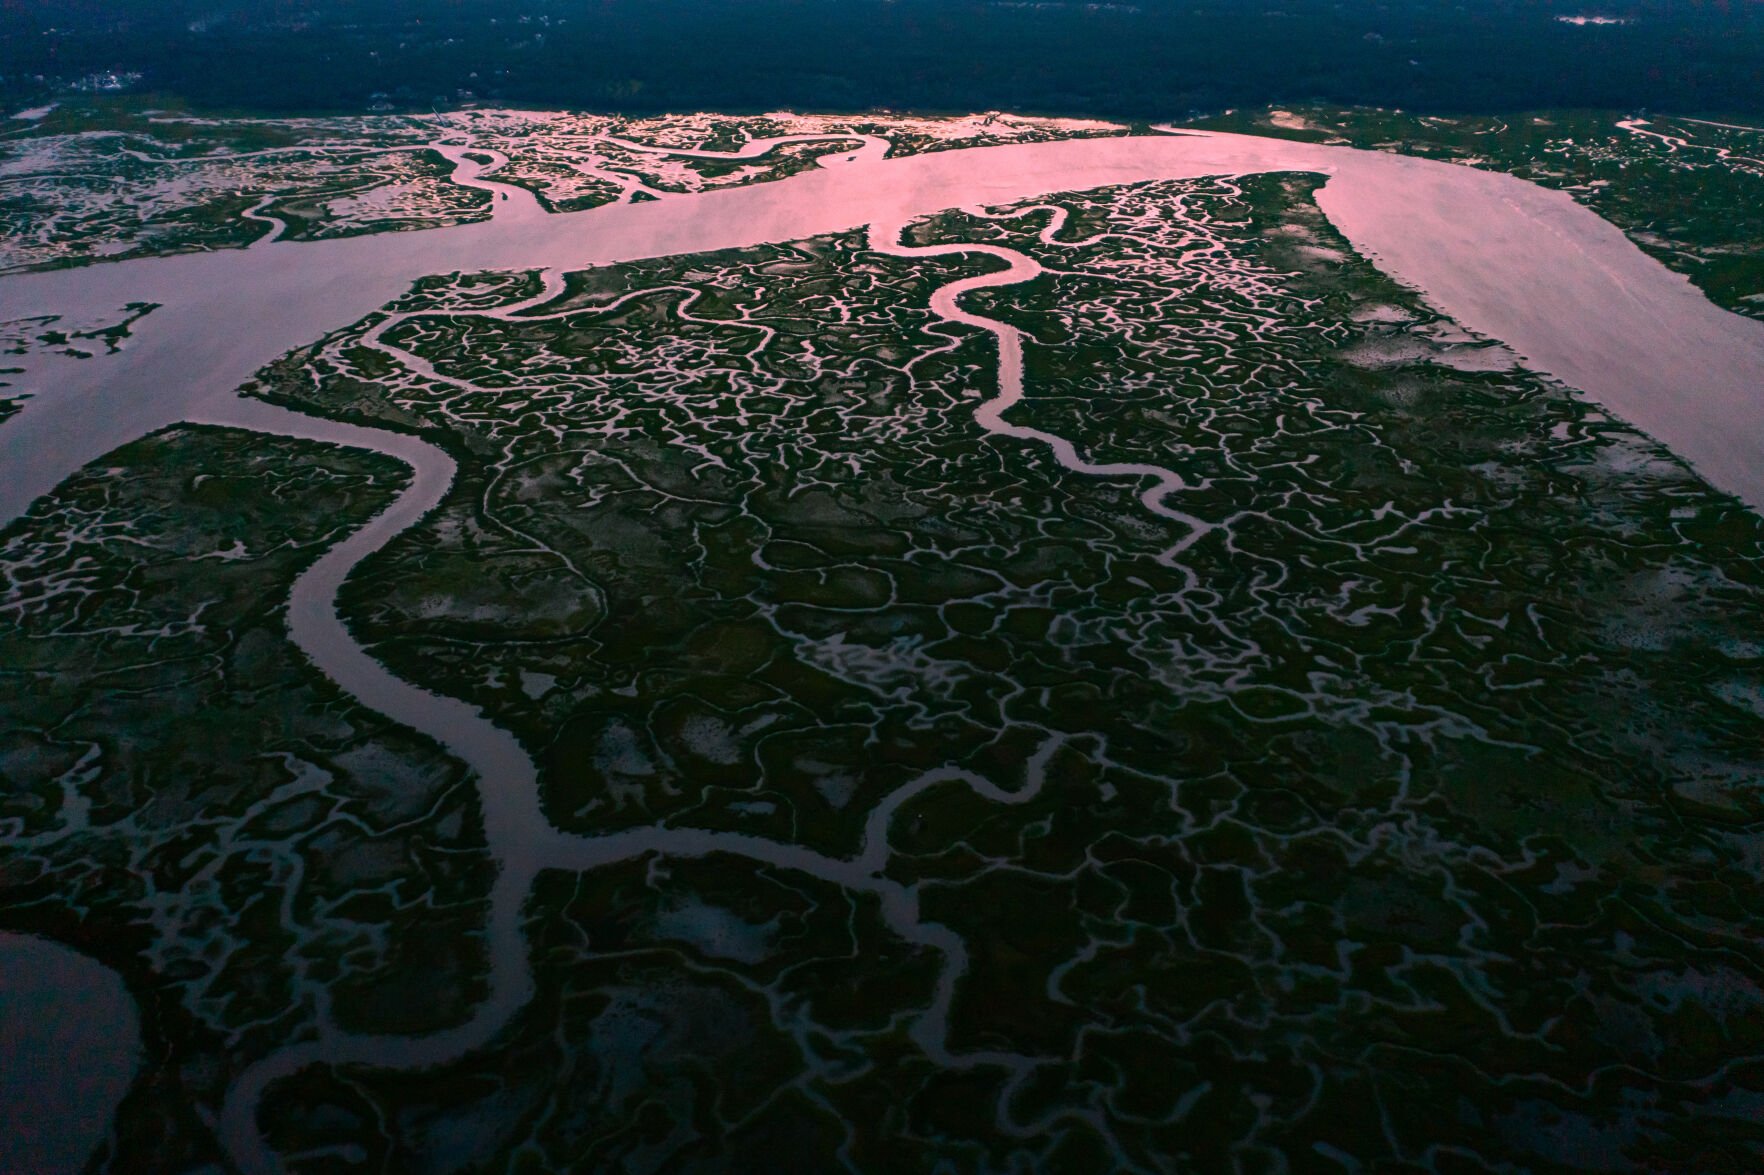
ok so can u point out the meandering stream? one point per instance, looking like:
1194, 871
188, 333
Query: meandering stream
1518, 263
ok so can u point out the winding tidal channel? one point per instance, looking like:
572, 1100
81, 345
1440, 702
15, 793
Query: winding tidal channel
1506, 259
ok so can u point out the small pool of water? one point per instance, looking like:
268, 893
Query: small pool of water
70, 1044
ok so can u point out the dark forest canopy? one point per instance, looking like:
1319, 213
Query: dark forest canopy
1120, 58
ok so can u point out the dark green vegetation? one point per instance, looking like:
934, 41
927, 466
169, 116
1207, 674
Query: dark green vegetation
1402, 807
575, 542
187, 800
1408, 813
116, 179
1127, 58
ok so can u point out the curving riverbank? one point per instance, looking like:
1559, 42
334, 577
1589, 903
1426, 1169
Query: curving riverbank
990, 415
1561, 287
520, 837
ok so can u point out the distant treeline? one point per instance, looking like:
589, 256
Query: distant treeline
1119, 58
